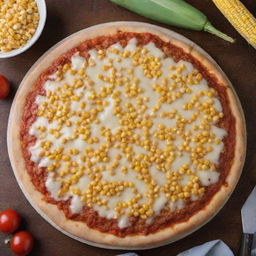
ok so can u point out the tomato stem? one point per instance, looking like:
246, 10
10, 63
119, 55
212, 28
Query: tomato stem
7, 240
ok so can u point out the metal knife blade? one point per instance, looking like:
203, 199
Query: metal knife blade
248, 213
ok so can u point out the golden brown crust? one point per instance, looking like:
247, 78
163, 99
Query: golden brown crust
79, 229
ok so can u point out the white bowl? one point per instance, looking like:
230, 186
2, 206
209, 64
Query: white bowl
42, 18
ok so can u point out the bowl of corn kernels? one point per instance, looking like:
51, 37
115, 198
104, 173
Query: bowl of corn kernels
21, 24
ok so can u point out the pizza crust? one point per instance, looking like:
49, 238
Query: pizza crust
79, 230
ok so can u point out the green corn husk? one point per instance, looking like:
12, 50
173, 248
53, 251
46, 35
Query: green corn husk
173, 12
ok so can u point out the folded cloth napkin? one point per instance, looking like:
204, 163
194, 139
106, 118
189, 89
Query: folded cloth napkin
212, 248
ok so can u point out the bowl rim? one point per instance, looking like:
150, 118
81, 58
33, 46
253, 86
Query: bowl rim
41, 5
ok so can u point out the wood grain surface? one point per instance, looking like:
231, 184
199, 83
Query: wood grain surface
238, 61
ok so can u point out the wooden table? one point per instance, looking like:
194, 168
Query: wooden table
238, 61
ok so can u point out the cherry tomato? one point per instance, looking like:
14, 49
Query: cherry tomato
22, 243
9, 221
4, 87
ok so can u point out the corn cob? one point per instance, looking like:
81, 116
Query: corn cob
242, 20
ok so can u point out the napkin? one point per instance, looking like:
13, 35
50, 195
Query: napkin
212, 248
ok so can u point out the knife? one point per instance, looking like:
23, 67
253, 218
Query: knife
248, 214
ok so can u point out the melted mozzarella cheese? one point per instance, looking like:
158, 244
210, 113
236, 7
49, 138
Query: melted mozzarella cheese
107, 118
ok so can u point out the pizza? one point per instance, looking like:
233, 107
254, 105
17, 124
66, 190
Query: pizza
126, 137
